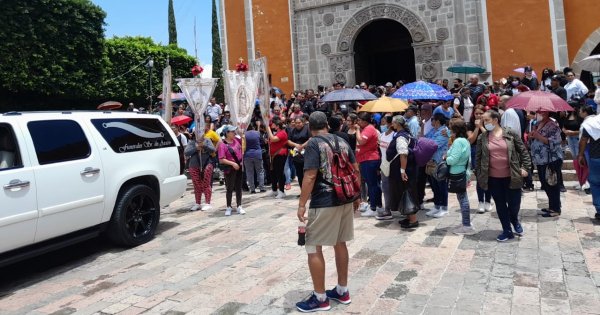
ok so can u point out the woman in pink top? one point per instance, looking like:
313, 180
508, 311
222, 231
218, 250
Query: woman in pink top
230, 159
502, 161
368, 157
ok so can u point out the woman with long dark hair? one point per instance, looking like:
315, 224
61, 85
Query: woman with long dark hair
278, 153
474, 129
298, 138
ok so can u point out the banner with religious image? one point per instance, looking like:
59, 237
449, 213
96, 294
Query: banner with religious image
259, 66
197, 92
241, 87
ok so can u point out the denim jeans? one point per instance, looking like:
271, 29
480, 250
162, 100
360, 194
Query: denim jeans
287, 171
594, 180
465, 208
573, 145
508, 201
369, 171
482, 195
440, 192
254, 165
553, 192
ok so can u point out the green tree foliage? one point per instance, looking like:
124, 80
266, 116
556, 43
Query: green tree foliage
51, 47
217, 57
172, 25
126, 53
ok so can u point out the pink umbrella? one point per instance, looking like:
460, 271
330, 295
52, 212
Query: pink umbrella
538, 101
522, 70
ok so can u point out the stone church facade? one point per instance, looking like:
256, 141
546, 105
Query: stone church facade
314, 42
443, 32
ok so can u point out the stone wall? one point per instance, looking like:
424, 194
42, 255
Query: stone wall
324, 31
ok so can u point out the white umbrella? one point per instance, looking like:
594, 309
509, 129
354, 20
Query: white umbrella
591, 63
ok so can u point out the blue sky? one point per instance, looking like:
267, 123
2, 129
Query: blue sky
149, 18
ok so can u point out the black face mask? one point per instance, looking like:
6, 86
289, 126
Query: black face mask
455, 86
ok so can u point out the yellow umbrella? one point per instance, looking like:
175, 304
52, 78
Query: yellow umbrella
385, 105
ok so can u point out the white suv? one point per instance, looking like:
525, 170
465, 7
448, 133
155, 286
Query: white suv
69, 176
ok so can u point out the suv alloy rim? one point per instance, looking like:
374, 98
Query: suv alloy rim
140, 215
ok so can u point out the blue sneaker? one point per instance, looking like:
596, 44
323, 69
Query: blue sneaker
519, 229
505, 236
334, 295
312, 304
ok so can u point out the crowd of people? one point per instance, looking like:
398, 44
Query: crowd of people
272, 153
474, 132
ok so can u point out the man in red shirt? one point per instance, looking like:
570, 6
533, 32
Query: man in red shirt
367, 155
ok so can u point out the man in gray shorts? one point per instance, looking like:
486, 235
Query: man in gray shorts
329, 222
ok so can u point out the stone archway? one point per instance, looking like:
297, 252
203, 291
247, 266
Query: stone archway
586, 49
428, 52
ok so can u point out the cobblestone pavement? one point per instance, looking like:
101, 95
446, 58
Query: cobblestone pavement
204, 263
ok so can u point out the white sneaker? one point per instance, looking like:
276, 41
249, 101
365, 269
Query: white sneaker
228, 211
369, 213
464, 230
364, 206
488, 206
433, 211
440, 213
481, 208
585, 186
577, 187
241, 210
196, 207
272, 194
280, 195
206, 207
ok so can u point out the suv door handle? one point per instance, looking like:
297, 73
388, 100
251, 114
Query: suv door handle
90, 171
16, 185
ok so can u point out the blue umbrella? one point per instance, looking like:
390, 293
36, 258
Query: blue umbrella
421, 90
346, 95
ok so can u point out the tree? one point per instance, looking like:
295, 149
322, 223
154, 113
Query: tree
172, 25
217, 57
126, 73
51, 47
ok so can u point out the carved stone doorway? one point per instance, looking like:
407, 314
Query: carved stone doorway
590, 78
383, 52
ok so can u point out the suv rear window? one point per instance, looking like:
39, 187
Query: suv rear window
58, 141
133, 134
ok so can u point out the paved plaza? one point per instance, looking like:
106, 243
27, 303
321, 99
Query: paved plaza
206, 263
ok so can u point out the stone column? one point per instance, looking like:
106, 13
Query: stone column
558, 25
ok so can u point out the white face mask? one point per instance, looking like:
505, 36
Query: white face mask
489, 127
539, 117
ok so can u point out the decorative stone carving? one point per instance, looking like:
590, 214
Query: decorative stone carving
418, 37
429, 71
409, 19
421, 7
442, 33
328, 19
448, 2
339, 65
344, 46
428, 52
434, 4
325, 49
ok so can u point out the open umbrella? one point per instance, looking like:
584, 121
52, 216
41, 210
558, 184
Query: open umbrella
421, 90
181, 119
175, 97
385, 104
591, 63
522, 70
346, 95
539, 101
466, 67
110, 105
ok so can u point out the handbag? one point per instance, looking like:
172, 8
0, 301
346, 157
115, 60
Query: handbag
457, 183
551, 175
385, 166
430, 167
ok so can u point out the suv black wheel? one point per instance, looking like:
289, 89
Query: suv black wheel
135, 217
